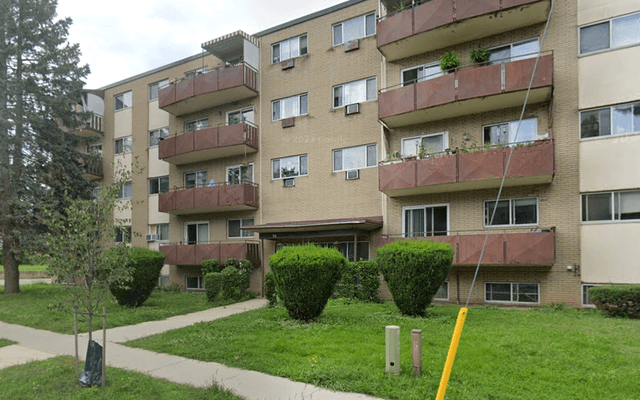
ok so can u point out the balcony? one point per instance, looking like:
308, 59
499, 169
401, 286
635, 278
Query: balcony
531, 164
211, 89
220, 198
209, 144
531, 247
93, 167
194, 254
466, 91
92, 126
437, 24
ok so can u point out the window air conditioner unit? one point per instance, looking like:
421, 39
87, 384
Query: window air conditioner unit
290, 182
352, 109
351, 45
288, 64
352, 174
152, 238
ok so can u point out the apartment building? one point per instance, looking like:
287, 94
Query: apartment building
340, 128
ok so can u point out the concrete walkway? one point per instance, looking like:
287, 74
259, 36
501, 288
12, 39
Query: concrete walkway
34, 344
29, 281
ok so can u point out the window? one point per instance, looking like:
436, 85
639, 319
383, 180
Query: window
240, 174
443, 292
612, 206
195, 72
615, 33
123, 100
421, 73
238, 117
95, 149
616, 120
512, 292
125, 191
154, 89
123, 145
195, 179
157, 134
346, 248
355, 157
290, 48
195, 282
196, 125
289, 167
197, 233
162, 231
505, 133
289, 107
586, 301
514, 52
355, 92
234, 225
421, 221
356, 28
123, 234
159, 185
512, 212
431, 143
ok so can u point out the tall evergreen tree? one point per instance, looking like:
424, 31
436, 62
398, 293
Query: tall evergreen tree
40, 84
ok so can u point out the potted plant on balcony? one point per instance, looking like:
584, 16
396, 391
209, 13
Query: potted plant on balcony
449, 61
479, 55
422, 152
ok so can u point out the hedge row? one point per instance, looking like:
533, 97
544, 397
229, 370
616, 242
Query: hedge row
360, 280
231, 280
617, 300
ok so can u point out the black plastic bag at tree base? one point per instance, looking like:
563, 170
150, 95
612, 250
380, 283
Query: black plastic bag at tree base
92, 374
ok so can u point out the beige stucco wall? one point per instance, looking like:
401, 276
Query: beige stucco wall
156, 217
156, 167
608, 78
157, 117
610, 253
123, 123
610, 163
596, 10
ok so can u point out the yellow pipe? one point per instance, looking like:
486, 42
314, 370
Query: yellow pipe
462, 315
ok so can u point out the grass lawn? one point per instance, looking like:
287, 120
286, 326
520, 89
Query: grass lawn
503, 354
27, 267
6, 342
44, 306
55, 379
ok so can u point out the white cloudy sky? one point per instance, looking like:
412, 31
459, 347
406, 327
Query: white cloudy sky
121, 38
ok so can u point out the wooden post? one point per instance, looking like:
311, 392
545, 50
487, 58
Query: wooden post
75, 334
104, 346
416, 354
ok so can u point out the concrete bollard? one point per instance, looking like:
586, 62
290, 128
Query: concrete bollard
392, 340
416, 351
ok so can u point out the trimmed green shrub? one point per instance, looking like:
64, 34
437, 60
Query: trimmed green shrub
306, 276
617, 300
241, 264
234, 282
479, 55
270, 289
449, 61
414, 271
213, 285
211, 265
145, 265
360, 280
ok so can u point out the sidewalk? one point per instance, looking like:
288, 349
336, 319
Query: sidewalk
30, 281
40, 344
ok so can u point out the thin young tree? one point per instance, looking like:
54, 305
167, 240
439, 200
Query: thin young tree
40, 83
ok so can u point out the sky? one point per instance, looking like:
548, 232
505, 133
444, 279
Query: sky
122, 38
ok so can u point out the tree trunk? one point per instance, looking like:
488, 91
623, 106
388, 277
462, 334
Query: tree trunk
11, 272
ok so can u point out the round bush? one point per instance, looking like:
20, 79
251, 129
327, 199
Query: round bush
306, 277
414, 270
234, 282
145, 265
213, 285
211, 265
240, 263
270, 289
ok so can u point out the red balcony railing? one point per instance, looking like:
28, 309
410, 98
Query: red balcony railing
531, 164
509, 247
194, 254
467, 90
222, 85
219, 198
93, 166
436, 24
209, 144
92, 126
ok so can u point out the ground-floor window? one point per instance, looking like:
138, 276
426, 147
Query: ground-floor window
195, 282
586, 301
443, 292
346, 248
512, 292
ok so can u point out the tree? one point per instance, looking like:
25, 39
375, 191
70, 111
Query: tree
40, 83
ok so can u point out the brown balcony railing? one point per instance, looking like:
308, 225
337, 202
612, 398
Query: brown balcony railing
194, 254
209, 144
532, 163
92, 126
435, 24
535, 246
93, 166
219, 86
219, 198
467, 90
